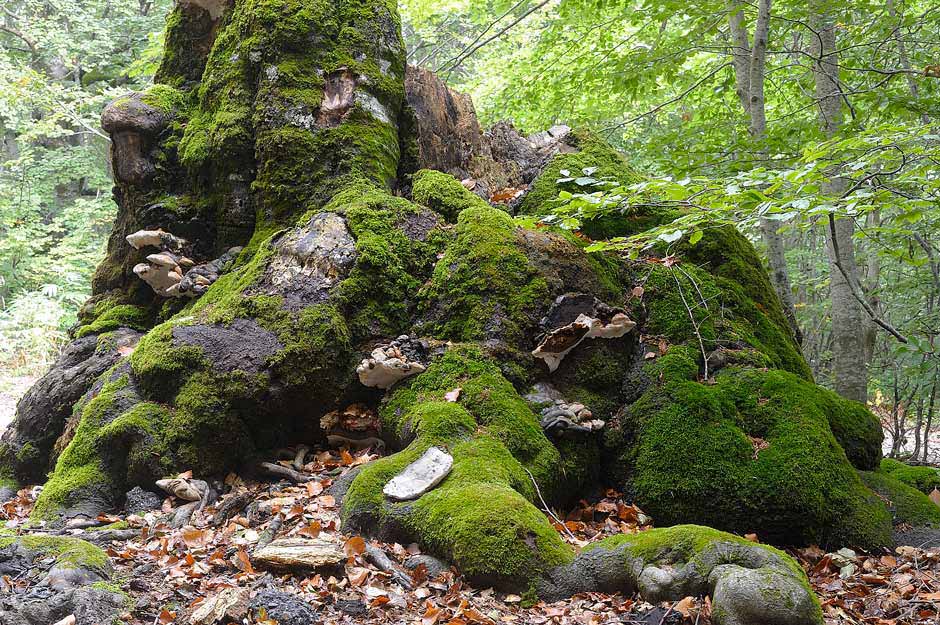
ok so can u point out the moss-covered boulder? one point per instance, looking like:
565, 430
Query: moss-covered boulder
751, 451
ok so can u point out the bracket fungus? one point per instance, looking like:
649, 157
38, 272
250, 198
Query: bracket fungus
420, 476
559, 342
357, 426
172, 274
393, 362
564, 419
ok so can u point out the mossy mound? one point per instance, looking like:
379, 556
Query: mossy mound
593, 158
751, 452
908, 505
443, 194
747, 582
69, 553
482, 516
484, 285
923, 478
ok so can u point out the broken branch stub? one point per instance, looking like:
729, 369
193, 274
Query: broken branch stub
560, 342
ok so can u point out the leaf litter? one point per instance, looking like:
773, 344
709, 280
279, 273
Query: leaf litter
178, 576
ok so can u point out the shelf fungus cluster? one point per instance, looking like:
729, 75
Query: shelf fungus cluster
169, 272
563, 419
592, 319
388, 364
357, 426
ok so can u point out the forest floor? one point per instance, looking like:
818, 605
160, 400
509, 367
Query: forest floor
12, 387
171, 573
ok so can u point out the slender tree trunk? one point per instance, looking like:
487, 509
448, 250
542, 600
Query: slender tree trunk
903, 57
850, 372
872, 279
749, 63
929, 422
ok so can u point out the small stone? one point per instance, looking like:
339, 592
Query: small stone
847, 571
434, 566
299, 553
352, 607
283, 608
268, 505
420, 476
140, 501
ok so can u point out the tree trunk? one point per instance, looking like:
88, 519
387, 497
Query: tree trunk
848, 320
749, 64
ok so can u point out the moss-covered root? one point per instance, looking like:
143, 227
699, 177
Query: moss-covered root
78, 572
750, 584
481, 517
923, 478
443, 194
908, 506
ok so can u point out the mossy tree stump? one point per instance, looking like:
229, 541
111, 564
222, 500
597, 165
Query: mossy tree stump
282, 126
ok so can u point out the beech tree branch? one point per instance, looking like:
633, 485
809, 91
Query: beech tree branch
856, 289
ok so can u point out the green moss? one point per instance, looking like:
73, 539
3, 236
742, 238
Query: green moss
443, 194
120, 316
27, 453
69, 553
908, 505
107, 433
923, 478
725, 312
607, 164
687, 455
158, 363
484, 283
167, 99
117, 525
481, 517
686, 543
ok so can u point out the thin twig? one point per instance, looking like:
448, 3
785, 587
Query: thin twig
545, 505
698, 334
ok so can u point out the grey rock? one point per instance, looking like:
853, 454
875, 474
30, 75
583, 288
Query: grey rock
139, 501
434, 566
420, 476
353, 607
59, 578
241, 346
285, 608
299, 553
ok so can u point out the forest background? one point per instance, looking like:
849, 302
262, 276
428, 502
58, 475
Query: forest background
802, 123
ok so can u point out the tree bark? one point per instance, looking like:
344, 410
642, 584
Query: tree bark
749, 64
850, 372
